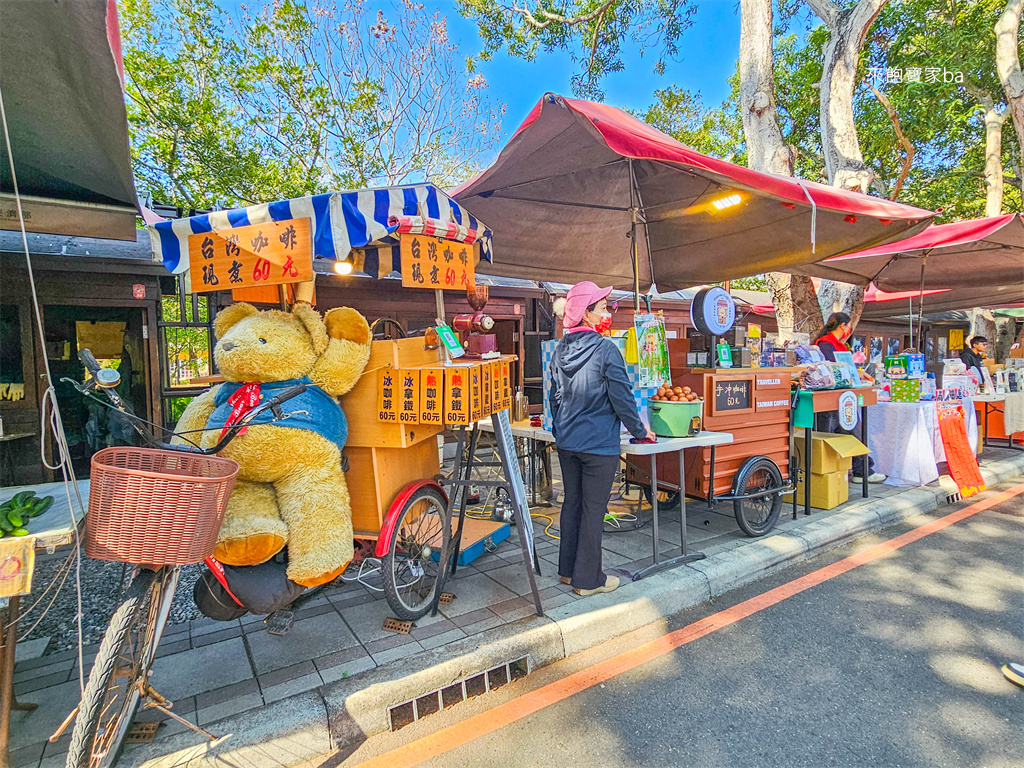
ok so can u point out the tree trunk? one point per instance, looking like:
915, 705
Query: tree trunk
983, 323
1006, 328
1008, 65
766, 149
993, 158
848, 29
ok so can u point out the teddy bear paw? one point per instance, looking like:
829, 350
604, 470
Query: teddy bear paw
248, 550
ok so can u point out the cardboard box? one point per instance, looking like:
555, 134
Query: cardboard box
905, 390
915, 365
829, 453
828, 490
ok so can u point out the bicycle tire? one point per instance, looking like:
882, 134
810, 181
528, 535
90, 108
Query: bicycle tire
757, 517
670, 502
405, 540
148, 590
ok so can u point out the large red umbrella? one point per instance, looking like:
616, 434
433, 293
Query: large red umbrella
578, 179
977, 253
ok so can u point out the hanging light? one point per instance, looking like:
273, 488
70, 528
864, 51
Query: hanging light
344, 267
727, 202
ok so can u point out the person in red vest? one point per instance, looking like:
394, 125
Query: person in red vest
832, 339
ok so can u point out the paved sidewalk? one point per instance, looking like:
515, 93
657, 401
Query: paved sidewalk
337, 654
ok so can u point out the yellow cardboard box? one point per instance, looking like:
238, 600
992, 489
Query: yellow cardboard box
828, 490
830, 453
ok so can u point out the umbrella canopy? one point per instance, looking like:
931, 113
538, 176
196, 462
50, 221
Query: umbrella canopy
60, 74
980, 253
364, 221
565, 191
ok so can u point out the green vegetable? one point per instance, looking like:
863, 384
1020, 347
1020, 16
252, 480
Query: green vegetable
41, 505
5, 525
21, 499
19, 532
7, 505
15, 519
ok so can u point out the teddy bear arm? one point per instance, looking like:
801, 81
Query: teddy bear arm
338, 369
196, 415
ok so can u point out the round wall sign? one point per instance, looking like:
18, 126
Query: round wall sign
713, 312
849, 413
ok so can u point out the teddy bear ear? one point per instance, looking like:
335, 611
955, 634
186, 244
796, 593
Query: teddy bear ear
310, 318
347, 324
230, 315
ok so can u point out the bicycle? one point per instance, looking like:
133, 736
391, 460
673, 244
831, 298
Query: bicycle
119, 680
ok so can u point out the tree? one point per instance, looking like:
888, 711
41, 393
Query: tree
295, 98
1007, 31
592, 31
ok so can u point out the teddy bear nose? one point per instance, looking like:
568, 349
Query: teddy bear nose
227, 346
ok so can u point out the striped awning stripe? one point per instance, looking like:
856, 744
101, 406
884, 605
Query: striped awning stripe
341, 222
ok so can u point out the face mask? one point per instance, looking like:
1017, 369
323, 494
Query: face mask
605, 324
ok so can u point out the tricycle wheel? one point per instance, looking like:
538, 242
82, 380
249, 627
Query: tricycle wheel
756, 517
416, 553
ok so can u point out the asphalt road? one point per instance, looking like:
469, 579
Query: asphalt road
893, 663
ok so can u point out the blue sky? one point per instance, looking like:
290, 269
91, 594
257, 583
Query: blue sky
708, 54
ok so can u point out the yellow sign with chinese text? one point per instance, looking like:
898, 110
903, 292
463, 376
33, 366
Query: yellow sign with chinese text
431, 395
430, 262
409, 396
387, 391
273, 253
956, 338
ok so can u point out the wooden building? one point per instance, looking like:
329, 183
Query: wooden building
101, 293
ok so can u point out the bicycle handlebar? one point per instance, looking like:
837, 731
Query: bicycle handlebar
274, 404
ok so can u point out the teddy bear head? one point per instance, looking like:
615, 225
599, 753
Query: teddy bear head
270, 345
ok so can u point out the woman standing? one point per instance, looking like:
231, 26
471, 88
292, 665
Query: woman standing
833, 338
590, 397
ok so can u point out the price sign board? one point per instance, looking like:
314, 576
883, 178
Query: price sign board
731, 395
273, 253
409, 397
430, 262
486, 389
387, 391
431, 395
456, 395
496, 400
476, 399
506, 385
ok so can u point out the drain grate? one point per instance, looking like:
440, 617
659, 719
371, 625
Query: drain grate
392, 624
467, 688
954, 498
141, 733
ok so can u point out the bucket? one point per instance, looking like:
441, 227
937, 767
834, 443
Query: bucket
679, 419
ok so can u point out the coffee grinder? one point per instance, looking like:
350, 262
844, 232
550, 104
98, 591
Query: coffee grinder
474, 329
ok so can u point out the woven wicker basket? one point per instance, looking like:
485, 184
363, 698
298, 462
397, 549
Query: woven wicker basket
156, 507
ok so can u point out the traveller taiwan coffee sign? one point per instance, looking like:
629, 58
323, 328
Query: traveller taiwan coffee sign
430, 262
273, 253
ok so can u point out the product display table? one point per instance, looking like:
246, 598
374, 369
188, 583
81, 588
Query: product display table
906, 444
54, 528
664, 445
995, 404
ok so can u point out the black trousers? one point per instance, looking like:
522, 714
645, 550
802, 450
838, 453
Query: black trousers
587, 479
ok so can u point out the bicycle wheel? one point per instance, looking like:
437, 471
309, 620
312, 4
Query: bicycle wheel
756, 517
417, 553
119, 674
667, 500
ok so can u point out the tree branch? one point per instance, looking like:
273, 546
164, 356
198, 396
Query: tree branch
827, 10
553, 16
908, 147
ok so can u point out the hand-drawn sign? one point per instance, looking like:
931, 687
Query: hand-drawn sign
258, 254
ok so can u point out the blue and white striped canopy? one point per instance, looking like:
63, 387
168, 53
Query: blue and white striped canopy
340, 221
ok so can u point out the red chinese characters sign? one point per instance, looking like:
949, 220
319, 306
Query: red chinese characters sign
430, 262
258, 254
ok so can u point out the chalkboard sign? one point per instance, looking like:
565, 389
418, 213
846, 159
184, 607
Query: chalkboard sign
731, 395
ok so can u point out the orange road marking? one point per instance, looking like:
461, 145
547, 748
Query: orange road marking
447, 739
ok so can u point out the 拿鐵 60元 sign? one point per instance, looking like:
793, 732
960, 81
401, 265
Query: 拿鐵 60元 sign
273, 253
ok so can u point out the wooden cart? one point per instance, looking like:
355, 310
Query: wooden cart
755, 405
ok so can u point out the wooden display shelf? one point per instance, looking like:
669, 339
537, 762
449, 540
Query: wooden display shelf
376, 476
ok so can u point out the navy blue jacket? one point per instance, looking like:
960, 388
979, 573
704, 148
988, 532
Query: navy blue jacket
590, 395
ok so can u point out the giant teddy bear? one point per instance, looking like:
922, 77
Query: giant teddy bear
290, 489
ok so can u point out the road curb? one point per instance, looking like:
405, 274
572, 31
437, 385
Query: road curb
344, 713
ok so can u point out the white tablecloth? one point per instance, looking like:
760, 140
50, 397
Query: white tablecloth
905, 441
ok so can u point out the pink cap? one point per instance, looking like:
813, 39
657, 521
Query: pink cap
581, 296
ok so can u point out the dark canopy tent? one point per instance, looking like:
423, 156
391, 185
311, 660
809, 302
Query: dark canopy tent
980, 253
564, 194
60, 78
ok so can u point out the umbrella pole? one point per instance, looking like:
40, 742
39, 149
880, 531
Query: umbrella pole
634, 251
920, 304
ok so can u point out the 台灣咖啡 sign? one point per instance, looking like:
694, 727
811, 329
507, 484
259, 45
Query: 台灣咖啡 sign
273, 253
